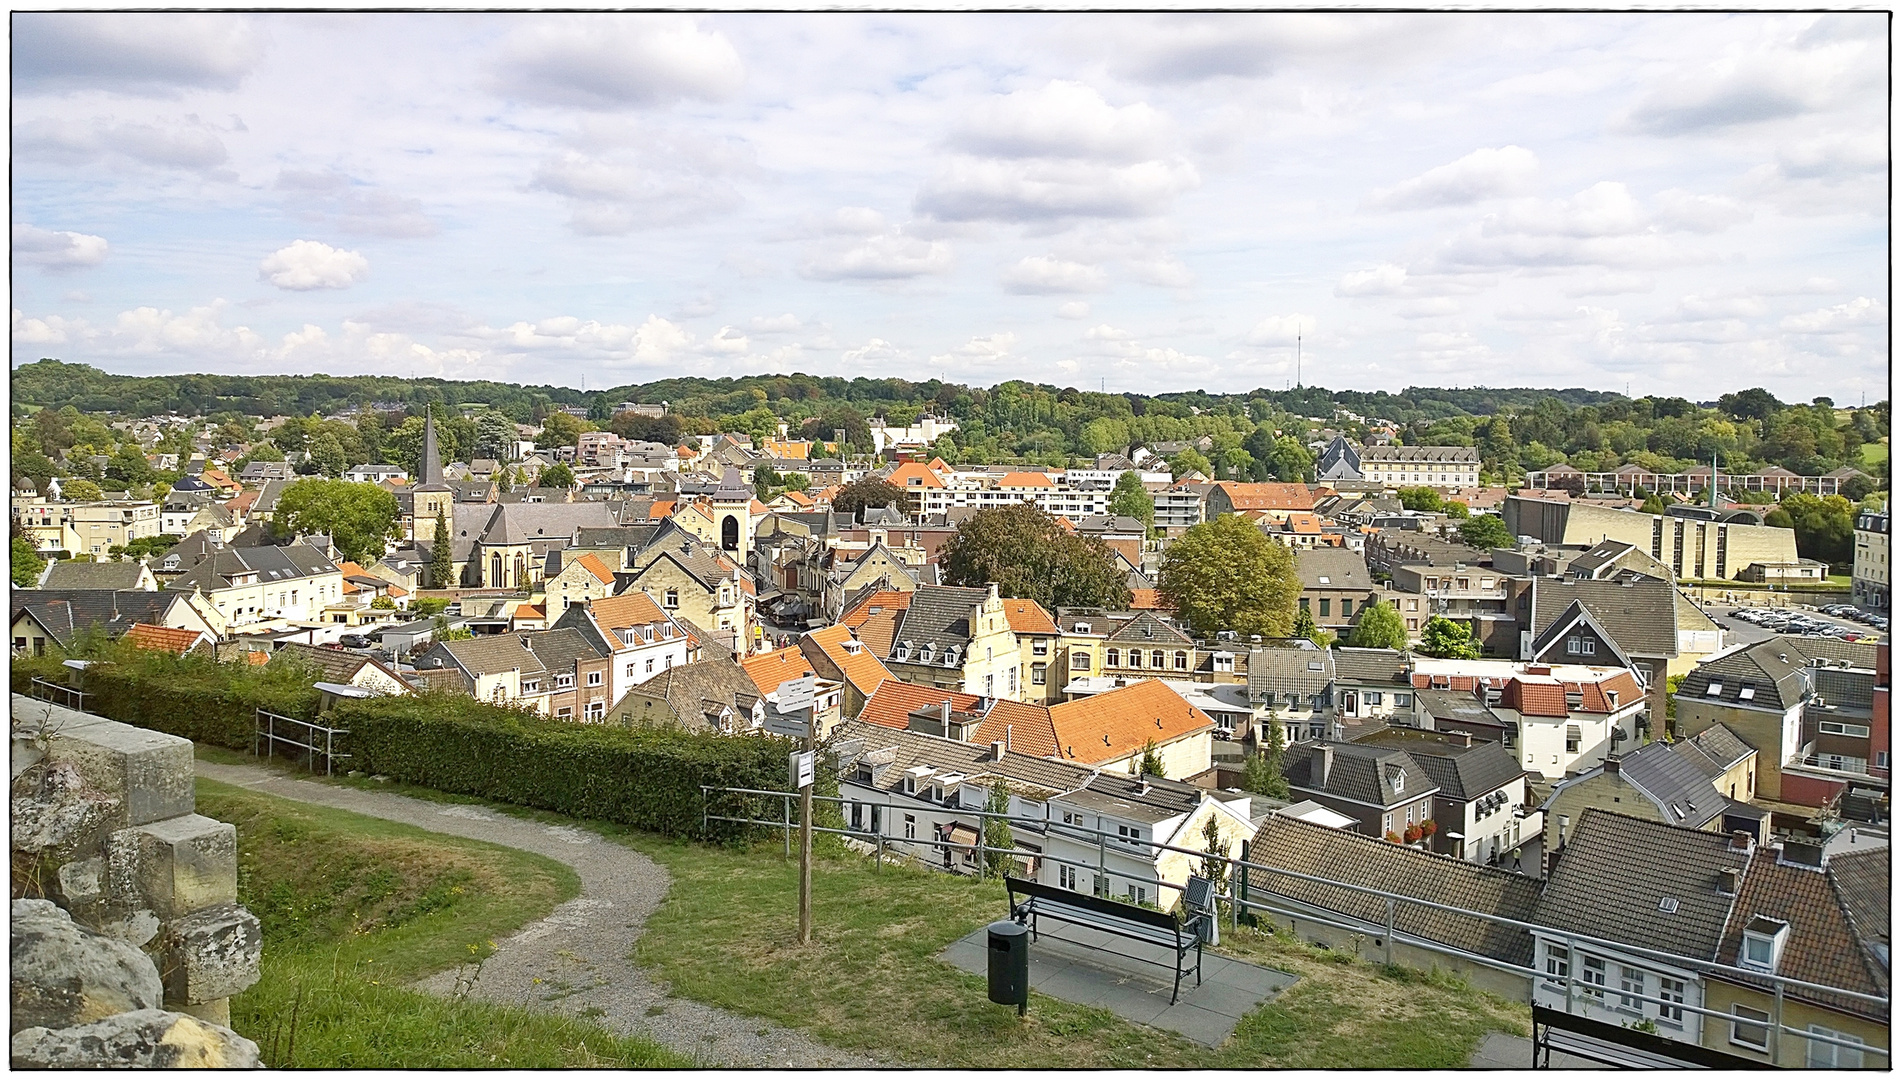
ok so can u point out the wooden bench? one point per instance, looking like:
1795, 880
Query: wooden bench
1160, 928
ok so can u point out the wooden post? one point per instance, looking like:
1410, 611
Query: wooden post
805, 833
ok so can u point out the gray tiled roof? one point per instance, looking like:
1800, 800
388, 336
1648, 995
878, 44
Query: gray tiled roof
939, 615
73, 574
1682, 791
1861, 886
1825, 945
1419, 453
697, 692
559, 649
1360, 772
1465, 773
65, 612
1615, 871
1147, 628
1342, 568
1720, 745
1850, 690
1289, 670
1366, 861
1773, 671
486, 654
1370, 667
912, 748
271, 564
1639, 616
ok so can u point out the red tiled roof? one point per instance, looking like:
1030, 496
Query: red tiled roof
1104, 727
1028, 617
768, 669
877, 603
1027, 728
1147, 600
593, 565
162, 638
1268, 496
862, 668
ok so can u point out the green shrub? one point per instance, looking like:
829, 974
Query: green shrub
648, 779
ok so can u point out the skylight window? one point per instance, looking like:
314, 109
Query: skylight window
1715, 689
1747, 693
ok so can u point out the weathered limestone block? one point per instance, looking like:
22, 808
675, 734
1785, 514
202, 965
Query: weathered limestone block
81, 884
63, 974
146, 1039
209, 954
175, 867
150, 772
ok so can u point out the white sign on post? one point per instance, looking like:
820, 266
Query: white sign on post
796, 694
802, 767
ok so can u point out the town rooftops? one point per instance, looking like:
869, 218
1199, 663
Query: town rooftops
1025, 728
1837, 918
1028, 617
1370, 667
1332, 568
1460, 771
1371, 775
1267, 496
164, 638
1105, 727
1289, 670
859, 665
1601, 888
895, 749
1639, 615
74, 574
939, 615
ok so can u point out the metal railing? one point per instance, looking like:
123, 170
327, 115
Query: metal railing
1237, 886
297, 734
70, 698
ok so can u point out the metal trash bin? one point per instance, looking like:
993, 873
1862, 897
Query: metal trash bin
1010, 965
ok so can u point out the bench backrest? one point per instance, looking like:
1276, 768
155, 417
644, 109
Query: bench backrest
1164, 920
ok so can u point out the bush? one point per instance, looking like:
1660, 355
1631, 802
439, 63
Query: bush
648, 778
194, 696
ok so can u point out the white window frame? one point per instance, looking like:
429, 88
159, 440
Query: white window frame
1631, 981
1670, 989
1823, 1055
1594, 973
1744, 1017
1836, 727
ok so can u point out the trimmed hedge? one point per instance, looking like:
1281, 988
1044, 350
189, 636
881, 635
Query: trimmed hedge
647, 779
194, 697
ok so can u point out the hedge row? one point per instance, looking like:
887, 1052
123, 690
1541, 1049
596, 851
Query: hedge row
647, 779
193, 697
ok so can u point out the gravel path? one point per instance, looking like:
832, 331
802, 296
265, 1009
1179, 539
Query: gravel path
578, 959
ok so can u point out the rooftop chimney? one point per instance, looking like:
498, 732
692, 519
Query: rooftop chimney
997, 748
1322, 764
1740, 841
1732, 880
1799, 851
1612, 766
993, 590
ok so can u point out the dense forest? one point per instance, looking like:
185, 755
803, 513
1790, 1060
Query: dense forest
1263, 434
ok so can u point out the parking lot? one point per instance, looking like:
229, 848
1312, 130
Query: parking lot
1752, 624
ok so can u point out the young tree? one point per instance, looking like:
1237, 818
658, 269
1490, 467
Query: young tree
1455, 510
1030, 556
441, 559
665, 430
1422, 500
1190, 460
326, 453
1150, 763
1380, 627
25, 564
996, 831
81, 491
359, 518
557, 475
1225, 574
1305, 627
1485, 531
1448, 640
869, 491
560, 429
1214, 866
1263, 775
1131, 499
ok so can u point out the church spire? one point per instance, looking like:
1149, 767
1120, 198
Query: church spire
431, 457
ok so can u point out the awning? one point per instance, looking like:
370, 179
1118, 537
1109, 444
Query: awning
960, 834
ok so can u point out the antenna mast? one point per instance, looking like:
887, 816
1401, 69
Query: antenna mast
1296, 359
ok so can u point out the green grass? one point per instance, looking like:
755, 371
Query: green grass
355, 909
871, 979
1874, 457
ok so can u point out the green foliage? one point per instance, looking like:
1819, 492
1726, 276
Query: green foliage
359, 518
430, 605
560, 429
1130, 498
1263, 774
1215, 866
1191, 460
1420, 499
648, 779
192, 696
1379, 627
996, 831
665, 430
557, 475
1455, 510
870, 491
1485, 531
1225, 574
80, 491
1030, 556
148, 545
1150, 763
1824, 527
24, 565
1448, 640
441, 562
1305, 627
382, 603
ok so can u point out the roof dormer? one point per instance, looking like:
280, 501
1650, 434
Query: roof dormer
1763, 941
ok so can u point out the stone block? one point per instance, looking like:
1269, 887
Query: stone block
174, 867
209, 954
150, 772
146, 1039
63, 974
81, 883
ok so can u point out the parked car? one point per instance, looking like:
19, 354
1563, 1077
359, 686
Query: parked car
354, 641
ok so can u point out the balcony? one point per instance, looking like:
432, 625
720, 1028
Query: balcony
1838, 765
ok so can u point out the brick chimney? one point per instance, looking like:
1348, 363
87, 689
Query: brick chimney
1613, 766
1322, 765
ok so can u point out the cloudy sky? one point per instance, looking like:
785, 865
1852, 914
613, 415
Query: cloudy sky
1686, 204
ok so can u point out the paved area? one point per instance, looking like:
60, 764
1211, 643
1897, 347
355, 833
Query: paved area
1088, 967
1502, 1051
578, 960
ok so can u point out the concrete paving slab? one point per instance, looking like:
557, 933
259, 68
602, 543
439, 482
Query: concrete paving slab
1501, 1051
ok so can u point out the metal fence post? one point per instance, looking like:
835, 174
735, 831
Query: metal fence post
1389, 931
879, 865
1775, 1029
787, 802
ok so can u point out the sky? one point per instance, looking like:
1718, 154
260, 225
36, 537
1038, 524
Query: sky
1667, 203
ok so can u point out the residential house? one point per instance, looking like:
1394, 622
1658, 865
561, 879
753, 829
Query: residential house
1114, 731
1335, 587
43, 619
1147, 645
1293, 683
959, 639
1371, 686
705, 587
642, 640
345, 668
1420, 466
1275, 501
557, 673
1642, 623
119, 574
1871, 580
102, 526
374, 473
1675, 783
582, 579
714, 694
247, 586
836, 654
1558, 718
1383, 789
257, 472
169, 639
1227, 704
1181, 507
1484, 808
770, 670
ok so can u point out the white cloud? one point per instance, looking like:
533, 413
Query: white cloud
1431, 307
1482, 174
775, 324
614, 197
1385, 279
1182, 48
192, 147
1164, 270
1075, 309
1682, 211
1612, 285
56, 252
974, 189
1062, 119
131, 52
310, 264
1105, 332
891, 257
1043, 274
1280, 329
1751, 87
876, 349
1860, 311
334, 198
611, 61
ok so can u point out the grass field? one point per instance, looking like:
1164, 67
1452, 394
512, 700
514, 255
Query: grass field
870, 979
1874, 457
355, 909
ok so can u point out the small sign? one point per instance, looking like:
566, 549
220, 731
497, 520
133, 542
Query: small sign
796, 694
803, 767
795, 726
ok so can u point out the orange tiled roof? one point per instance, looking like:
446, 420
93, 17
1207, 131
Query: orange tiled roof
593, 565
1025, 479
1302, 523
1028, 617
798, 497
530, 611
1104, 727
884, 600
1027, 728
633, 608
768, 669
1147, 600
1268, 496
878, 631
257, 659
242, 501
905, 475
162, 638
861, 669
661, 509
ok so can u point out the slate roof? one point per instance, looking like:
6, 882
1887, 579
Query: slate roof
488, 654
73, 574
1369, 862
1640, 616
1825, 944
939, 615
1719, 745
1460, 772
1861, 881
1772, 670
1673, 781
697, 692
1289, 670
1149, 628
1389, 452
1370, 667
1342, 568
1361, 773
1600, 887
270, 564
604, 536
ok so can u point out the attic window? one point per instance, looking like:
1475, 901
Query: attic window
1747, 693
1667, 905
1324, 580
1314, 665
1715, 689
